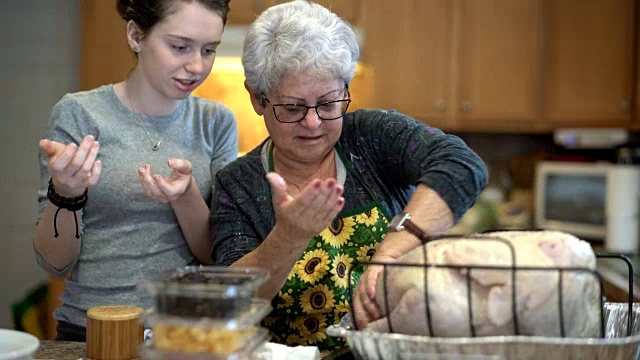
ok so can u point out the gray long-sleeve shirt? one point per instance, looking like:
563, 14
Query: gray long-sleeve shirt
126, 237
390, 152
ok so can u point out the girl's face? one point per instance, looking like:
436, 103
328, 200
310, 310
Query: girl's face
177, 54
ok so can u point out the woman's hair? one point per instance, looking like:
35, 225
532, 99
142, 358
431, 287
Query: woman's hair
298, 36
148, 13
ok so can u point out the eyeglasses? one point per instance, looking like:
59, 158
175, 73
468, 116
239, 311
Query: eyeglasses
292, 113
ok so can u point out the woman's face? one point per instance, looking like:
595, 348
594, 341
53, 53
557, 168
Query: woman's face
177, 54
311, 139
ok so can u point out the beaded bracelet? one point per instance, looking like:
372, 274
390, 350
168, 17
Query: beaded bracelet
69, 203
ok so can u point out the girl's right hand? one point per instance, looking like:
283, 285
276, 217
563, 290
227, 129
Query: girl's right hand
73, 168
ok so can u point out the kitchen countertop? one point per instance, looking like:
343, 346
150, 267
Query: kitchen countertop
614, 273
69, 350
60, 350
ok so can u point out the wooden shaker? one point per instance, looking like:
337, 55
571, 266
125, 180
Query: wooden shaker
114, 332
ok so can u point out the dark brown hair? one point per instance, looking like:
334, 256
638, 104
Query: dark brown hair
148, 13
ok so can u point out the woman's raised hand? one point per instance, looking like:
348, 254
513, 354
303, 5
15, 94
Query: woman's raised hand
308, 213
167, 189
73, 168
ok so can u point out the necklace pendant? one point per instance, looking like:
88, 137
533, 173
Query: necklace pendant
156, 146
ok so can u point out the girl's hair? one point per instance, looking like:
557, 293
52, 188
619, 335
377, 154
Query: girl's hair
147, 13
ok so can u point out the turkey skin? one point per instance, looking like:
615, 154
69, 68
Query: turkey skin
402, 300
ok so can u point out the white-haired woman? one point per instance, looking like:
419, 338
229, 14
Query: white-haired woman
334, 179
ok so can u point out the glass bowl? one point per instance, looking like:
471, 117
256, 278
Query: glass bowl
252, 316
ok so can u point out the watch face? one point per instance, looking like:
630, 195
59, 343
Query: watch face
397, 223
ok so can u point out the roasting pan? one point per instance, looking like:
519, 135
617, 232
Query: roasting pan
620, 330
615, 345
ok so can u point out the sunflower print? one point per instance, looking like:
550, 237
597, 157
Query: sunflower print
339, 232
340, 270
295, 340
313, 266
318, 299
366, 252
312, 328
368, 217
317, 291
292, 274
284, 300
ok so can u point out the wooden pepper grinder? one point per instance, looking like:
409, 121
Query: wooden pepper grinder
114, 332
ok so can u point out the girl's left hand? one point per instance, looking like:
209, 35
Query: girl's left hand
166, 190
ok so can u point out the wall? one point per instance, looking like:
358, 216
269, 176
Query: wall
40, 47
499, 149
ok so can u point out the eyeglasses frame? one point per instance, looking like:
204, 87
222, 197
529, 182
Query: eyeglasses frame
273, 107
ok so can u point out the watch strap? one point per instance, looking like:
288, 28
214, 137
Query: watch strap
403, 221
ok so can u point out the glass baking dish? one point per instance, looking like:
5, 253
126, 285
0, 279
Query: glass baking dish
205, 291
221, 346
252, 316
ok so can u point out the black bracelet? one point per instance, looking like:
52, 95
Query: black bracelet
69, 203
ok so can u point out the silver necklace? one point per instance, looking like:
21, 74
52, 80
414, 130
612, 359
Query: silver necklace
155, 145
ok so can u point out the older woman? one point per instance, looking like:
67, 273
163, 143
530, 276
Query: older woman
316, 197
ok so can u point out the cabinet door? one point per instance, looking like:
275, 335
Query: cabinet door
409, 50
346, 9
500, 62
105, 55
243, 12
591, 56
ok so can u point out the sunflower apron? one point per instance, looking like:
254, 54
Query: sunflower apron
316, 293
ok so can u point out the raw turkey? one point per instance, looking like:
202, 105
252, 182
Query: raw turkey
537, 307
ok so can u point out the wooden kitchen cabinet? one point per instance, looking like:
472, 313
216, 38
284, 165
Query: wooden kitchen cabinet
105, 55
243, 12
410, 49
454, 65
590, 63
499, 60
504, 66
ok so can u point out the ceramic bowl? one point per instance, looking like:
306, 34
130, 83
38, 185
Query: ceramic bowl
17, 345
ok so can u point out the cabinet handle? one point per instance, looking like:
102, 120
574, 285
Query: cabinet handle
625, 106
466, 106
441, 105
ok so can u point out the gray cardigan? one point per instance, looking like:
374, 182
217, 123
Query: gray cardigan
390, 151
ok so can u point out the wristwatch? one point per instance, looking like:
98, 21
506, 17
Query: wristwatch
403, 221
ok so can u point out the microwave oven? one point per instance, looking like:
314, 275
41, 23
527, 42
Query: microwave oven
593, 201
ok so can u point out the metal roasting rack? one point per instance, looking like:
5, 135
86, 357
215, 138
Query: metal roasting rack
616, 321
630, 284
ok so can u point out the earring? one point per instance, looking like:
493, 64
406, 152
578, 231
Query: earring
135, 49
